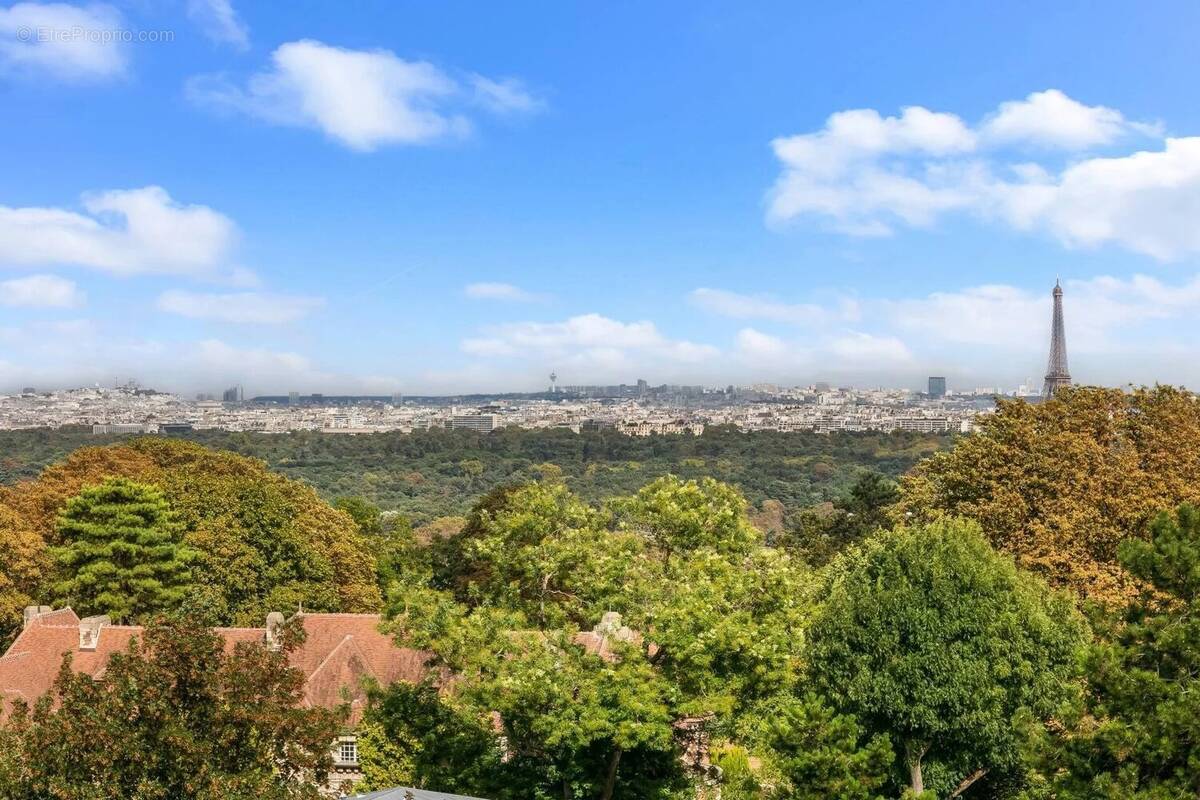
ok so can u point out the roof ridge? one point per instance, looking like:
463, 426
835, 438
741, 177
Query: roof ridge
55, 627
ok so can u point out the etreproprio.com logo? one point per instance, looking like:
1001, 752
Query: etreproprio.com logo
81, 34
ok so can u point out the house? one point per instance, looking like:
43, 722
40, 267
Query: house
339, 653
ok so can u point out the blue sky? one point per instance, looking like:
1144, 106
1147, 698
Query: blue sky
454, 196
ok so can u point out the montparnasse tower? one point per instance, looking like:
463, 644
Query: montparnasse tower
1057, 374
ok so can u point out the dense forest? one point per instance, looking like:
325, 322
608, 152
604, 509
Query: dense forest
436, 473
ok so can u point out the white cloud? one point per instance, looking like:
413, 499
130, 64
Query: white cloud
758, 346
41, 291
363, 99
858, 349
499, 291
743, 306
1052, 119
68, 42
863, 175
861, 134
1147, 202
990, 315
266, 365
503, 96
835, 173
247, 307
220, 22
589, 342
125, 232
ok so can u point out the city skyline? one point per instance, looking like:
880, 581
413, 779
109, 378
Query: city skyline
447, 199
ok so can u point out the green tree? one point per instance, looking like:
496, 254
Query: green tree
869, 499
682, 516
539, 550
174, 716
390, 539
823, 754
927, 635
818, 534
472, 468
366, 515
122, 553
1138, 736
591, 632
412, 736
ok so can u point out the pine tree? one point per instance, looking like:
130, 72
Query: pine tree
121, 552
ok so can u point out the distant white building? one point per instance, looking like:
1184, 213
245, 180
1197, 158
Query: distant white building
483, 423
923, 424
650, 427
123, 427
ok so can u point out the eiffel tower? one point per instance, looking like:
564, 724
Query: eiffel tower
1057, 374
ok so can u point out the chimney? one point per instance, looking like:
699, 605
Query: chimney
274, 636
33, 612
89, 631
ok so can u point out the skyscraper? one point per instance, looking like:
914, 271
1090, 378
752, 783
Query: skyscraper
937, 386
1057, 374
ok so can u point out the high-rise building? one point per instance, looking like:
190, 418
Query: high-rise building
1057, 374
937, 386
293, 398
232, 395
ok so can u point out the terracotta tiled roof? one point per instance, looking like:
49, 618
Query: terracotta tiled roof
339, 651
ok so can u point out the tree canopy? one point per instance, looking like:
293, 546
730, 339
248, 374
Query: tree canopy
1060, 484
